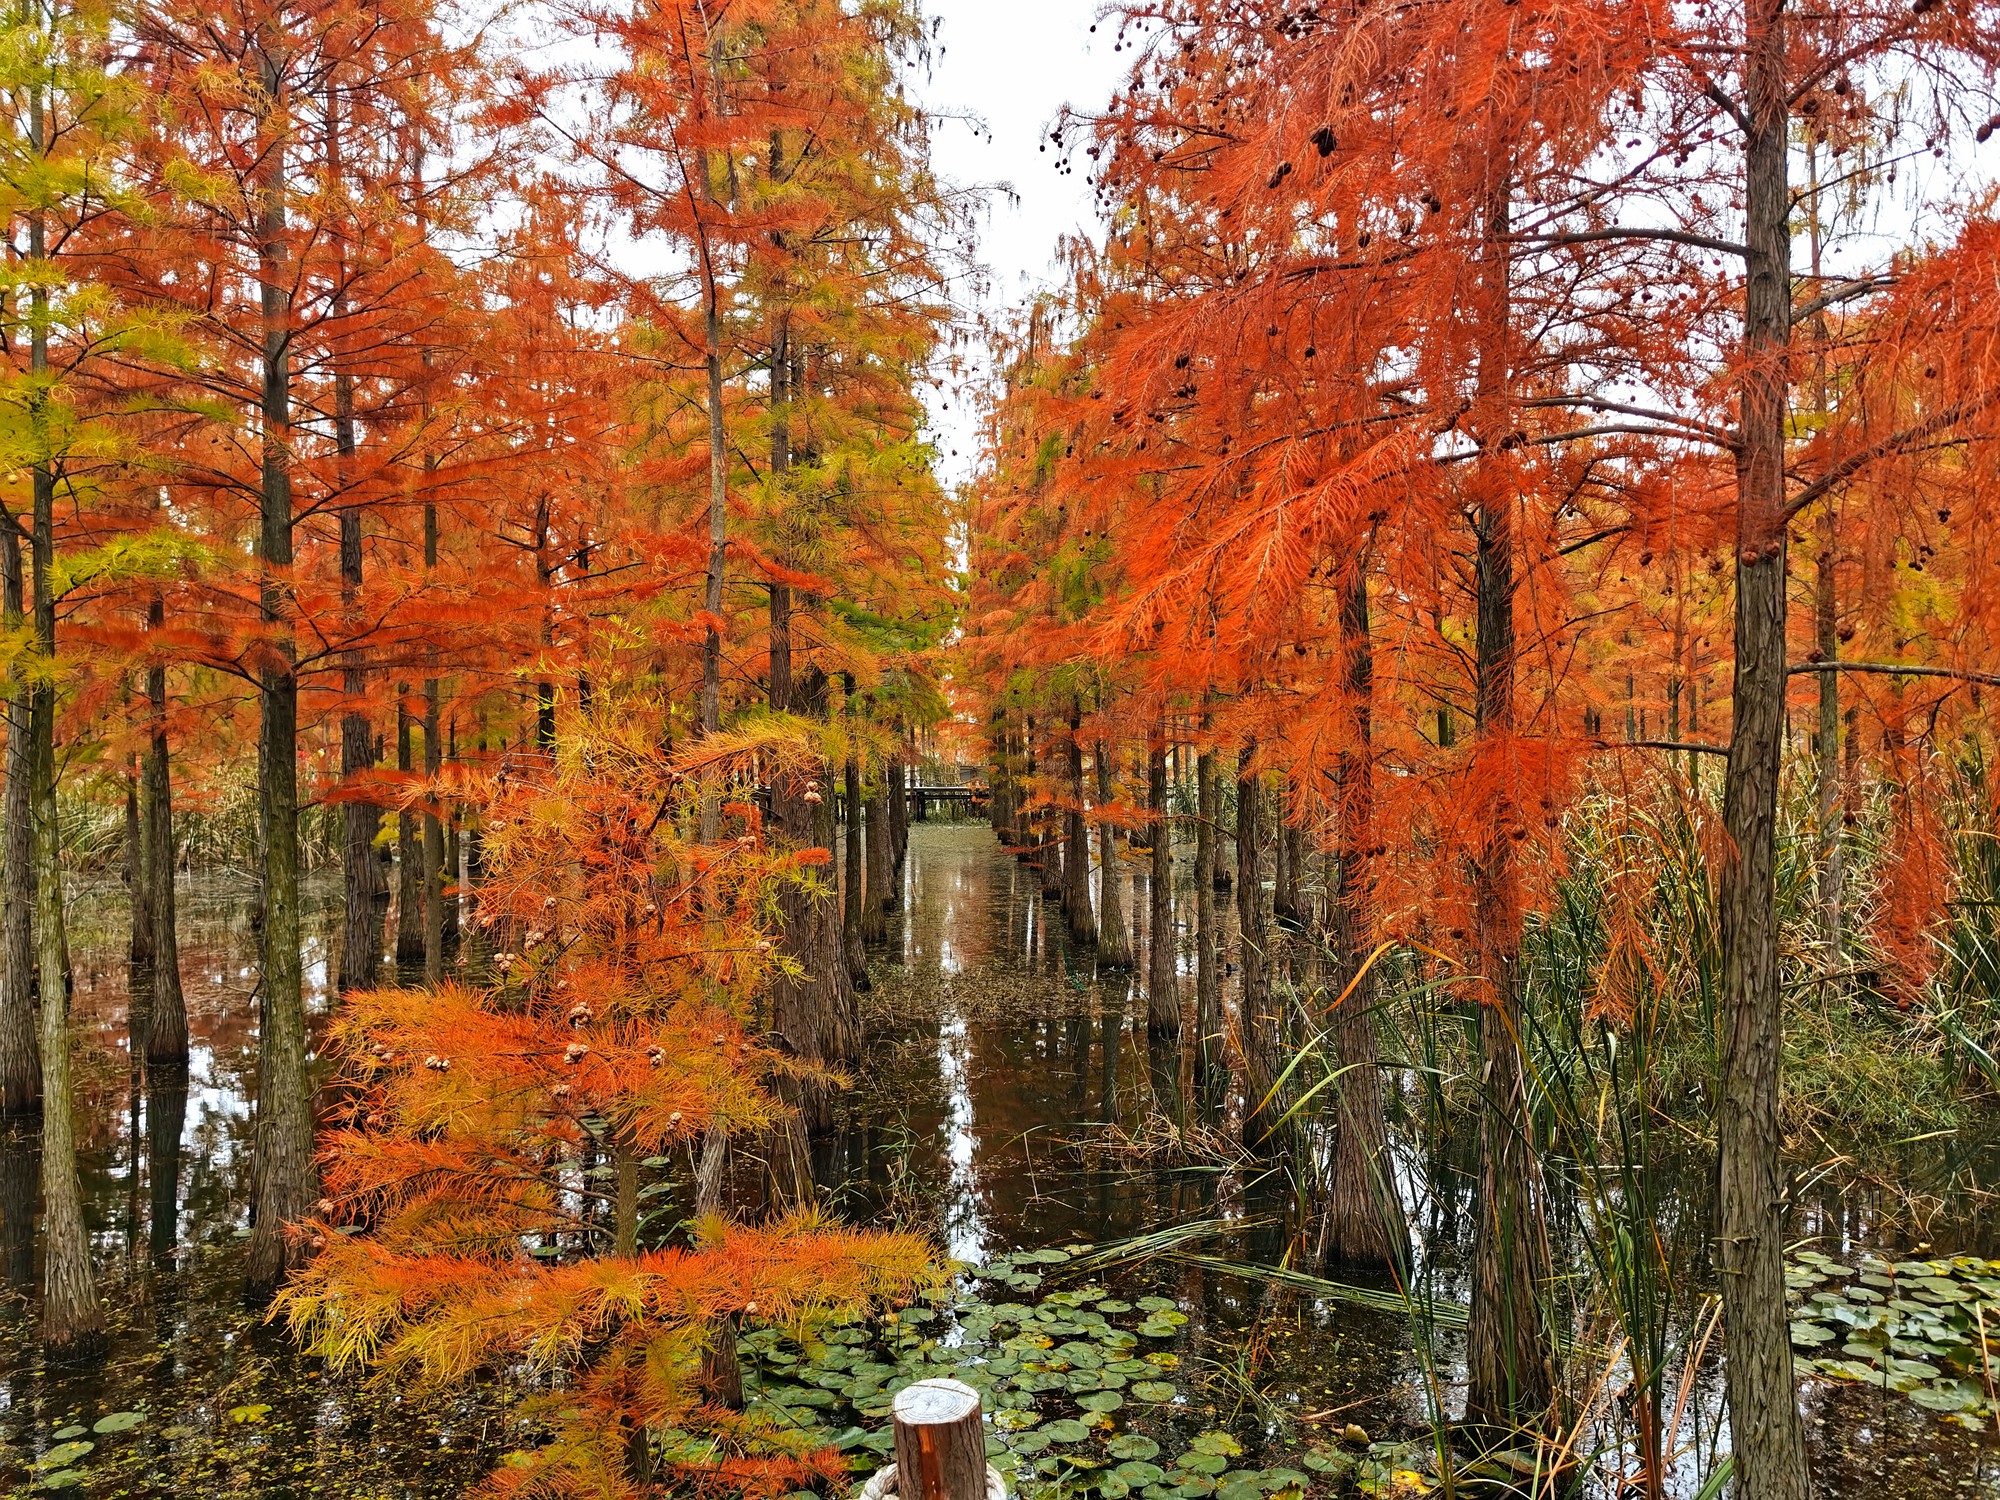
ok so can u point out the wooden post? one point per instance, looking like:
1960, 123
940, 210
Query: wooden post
940, 1442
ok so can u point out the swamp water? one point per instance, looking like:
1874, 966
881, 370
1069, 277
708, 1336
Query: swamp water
1133, 1314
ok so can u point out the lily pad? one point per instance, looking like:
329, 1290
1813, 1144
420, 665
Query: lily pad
1067, 1430
1103, 1401
1132, 1445
1153, 1390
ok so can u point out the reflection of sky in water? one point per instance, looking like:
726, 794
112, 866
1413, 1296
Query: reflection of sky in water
965, 1229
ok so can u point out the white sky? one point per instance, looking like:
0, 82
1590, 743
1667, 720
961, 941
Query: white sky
1013, 64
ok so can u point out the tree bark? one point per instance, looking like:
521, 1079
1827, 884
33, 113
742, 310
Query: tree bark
409, 858
899, 827
1211, 1055
1163, 1001
874, 903
854, 878
167, 1035
1363, 1222
20, 1055
433, 851
1261, 1038
1114, 934
1767, 1434
285, 1178
1509, 1356
72, 1319
360, 932
138, 859
1076, 838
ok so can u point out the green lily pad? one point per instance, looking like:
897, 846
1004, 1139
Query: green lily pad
1066, 1430
1137, 1471
1029, 1442
1153, 1390
1955, 1397
74, 1430
1132, 1445
64, 1454
1101, 1401
62, 1479
1217, 1442
1196, 1462
1809, 1335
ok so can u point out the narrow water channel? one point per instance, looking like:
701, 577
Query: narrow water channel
1010, 1101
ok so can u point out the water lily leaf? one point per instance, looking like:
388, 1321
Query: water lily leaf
1113, 1488
1957, 1396
1029, 1442
64, 1454
1164, 1360
62, 1479
63, 1434
1153, 1390
1110, 1305
1809, 1335
1016, 1419
1067, 1430
1155, 1304
1133, 1445
1137, 1471
1203, 1463
1101, 1401
1217, 1442
118, 1421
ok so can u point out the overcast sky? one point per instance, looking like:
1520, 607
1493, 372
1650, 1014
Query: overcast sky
1014, 64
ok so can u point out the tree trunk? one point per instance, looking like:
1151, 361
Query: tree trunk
360, 932
167, 1035
1261, 1032
285, 1180
1076, 838
1210, 1057
1363, 1222
899, 827
20, 1056
1163, 1000
138, 858
1284, 850
854, 878
1766, 1432
72, 1319
409, 859
1114, 935
1826, 633
1508, 1353
433, 851
874, 903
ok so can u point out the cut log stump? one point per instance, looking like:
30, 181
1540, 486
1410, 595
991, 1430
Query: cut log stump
940, 1447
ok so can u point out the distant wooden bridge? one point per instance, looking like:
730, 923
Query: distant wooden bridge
922, 797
